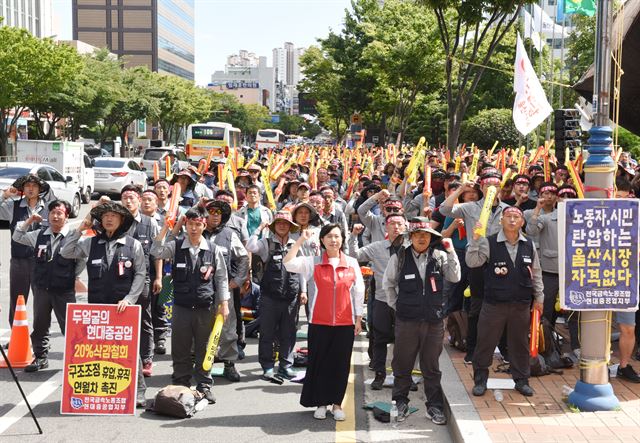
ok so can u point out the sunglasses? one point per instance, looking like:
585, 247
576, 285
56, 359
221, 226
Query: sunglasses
215, 212
392, 209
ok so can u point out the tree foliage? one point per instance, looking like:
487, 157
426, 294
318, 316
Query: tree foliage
489, 126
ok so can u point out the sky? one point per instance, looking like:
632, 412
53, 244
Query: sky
223, 27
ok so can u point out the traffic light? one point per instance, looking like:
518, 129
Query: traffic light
568, 133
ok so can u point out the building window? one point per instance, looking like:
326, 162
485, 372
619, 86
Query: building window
165, 44
173, 69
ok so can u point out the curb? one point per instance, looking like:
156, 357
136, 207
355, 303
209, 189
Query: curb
464, 422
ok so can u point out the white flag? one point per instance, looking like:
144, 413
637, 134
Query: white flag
543, 23
530, 107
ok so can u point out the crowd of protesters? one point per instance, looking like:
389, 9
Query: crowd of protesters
281, 230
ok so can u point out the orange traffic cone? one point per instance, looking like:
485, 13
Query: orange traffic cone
20, 354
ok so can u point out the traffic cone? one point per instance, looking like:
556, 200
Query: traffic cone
20, 354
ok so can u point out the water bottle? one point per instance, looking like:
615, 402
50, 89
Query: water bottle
497, 394
393, 414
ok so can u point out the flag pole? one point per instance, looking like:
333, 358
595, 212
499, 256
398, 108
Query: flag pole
593, 391
564, 25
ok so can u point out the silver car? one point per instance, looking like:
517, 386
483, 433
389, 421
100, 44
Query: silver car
114, 173
61, 186
179, 160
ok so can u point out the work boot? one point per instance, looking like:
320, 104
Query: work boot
206, 391
378, 382
287, 373
230, 372
479, 389
160, 348
524, 388
37, 364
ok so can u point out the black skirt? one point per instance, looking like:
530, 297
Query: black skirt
328, 368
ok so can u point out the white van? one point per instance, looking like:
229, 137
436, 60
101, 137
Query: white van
67, 157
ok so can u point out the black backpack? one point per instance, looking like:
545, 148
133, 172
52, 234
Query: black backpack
550, 359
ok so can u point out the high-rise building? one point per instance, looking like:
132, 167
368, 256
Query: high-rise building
286, 63
36, 16
152, 33
243, 59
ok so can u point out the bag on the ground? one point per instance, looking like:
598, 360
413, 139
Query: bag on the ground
457, 328
549, 359
301, 358
177, 401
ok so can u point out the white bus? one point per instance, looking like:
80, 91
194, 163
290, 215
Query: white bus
217, 136
270, 139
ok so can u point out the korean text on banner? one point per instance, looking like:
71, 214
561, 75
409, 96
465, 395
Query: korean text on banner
100, 360
598, 254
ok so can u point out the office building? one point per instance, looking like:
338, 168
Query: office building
36, 16
286, 64
152, 33
249, 84
244, 59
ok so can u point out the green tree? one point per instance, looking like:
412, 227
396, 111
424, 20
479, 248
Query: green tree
257, 118
139, 98
404, 54
181, 103
580, 46
25, 66
291, 124
227, 108
470, 32
55, 97
489, 126
97, 89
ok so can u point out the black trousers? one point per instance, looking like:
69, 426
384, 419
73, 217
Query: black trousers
277, 320
20, 273
158, 319
454, 292
328, 368
516, 317
425, 339
44, 302
190, 328
383, 321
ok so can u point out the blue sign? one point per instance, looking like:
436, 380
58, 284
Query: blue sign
598, 254
275, 118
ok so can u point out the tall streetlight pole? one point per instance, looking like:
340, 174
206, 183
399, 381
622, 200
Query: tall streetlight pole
594, 392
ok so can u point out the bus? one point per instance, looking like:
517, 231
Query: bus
269, 139
218, 137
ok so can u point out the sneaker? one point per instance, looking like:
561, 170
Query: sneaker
267, 374
479, 389
287, 373
160, 348
378, 382
206, 391
141, 401
525, 389
338, 414
436, 415
468, 358
320, 413
37, 364
628, 373
147, 368
403, 411
230, 372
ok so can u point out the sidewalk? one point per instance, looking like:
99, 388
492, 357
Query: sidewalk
545, 417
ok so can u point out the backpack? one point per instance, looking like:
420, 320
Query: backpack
457, 328
549, 359
178, 401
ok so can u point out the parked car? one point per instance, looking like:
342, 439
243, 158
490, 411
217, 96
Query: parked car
95, 151
62, 187
179, 160
114, 173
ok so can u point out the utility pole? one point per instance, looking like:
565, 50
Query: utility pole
594, 392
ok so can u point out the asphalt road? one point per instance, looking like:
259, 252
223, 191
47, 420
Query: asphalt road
249, 411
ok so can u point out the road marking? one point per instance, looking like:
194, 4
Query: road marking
38, 395
346, 430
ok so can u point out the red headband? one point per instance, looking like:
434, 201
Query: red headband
523, 180
490, 180
512, 209
553, 189
393, 204
419, 225
564, 191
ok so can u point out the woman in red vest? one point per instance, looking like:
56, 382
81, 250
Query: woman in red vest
336, 294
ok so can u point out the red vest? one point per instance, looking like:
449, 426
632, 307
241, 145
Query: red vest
333, 306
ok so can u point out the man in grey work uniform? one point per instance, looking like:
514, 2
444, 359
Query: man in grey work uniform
54, 276
413, 283
116, 264
470, 213
379, 253
200, 290
513, 279
14, 209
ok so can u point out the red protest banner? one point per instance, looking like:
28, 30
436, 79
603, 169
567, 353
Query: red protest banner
100, 360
